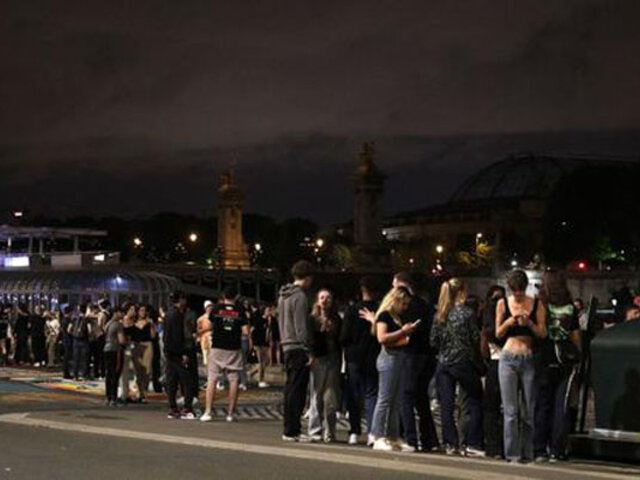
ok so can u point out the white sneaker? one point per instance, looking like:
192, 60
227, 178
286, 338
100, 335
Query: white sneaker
383, 445
243, 387
286, 438
220, 386
263, 385
371, 439
231, 418
314, 438
206, 417
353, 439
405, 447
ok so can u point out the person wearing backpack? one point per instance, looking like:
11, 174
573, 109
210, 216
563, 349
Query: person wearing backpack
559, 355
80, 329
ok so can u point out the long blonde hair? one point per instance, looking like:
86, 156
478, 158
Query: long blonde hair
451, 292
391, 302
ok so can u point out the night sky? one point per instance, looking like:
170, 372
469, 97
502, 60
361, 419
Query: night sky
130, 108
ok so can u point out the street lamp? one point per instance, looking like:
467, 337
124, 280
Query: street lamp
439, 249
193, 237
320, 243
137, 242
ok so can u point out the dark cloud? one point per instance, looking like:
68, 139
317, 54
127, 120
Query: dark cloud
140, 93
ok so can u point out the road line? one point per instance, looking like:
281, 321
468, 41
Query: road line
398, 465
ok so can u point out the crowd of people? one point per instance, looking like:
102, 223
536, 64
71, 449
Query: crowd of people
500, 367
503, 369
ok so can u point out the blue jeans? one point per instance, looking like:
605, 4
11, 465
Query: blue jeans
362, 382
447, 376
515, 370
80, 357
386, 416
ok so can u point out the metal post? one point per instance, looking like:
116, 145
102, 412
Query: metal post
76, 244
30, 249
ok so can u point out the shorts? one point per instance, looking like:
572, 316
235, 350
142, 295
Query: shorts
225, 362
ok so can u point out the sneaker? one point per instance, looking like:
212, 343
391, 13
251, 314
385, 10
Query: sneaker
474, 452
314, 438
329, 439
231, 418
383, 445
541, 459
243, 387
142, 401
206, 417
353, 439
405, 447
188, 415
220, 386
286, 438
173, 414
371, 439
450, 450
263, 385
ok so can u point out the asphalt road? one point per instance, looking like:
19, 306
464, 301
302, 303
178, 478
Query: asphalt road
55, 435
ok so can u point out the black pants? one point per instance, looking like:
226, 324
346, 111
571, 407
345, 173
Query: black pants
447, 376
67, 356
362, 384
551, 417
113, 367
493, 418
178, 375
156, 366
39, 347
22, 348
295, 390
417, 371
80, 357
96, 357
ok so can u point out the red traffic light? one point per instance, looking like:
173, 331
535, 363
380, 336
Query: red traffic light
582, 265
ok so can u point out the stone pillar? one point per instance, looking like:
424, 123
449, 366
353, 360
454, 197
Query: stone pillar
230, 240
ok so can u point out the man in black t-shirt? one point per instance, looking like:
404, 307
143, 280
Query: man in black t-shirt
228, 323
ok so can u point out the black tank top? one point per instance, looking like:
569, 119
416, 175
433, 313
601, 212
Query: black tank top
519, 331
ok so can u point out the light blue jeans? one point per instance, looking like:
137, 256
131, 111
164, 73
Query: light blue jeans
386, 416
515, 371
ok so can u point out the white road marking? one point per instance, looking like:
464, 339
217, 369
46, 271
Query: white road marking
522, 473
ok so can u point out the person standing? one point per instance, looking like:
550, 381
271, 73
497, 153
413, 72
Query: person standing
491, 348
67, 341
21, 332
177, 346
297, 343
259, 334
325, 370
128, 369
80, 329
228, 325
5, 336
115, 340
419, 366
456, 337
104, 315
203, 328
37, 324
53, 338
393, 335
361, 351
519, 319
144, 333
559, 356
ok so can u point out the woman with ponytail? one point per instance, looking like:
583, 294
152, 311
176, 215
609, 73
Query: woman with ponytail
456, 337
393, 336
